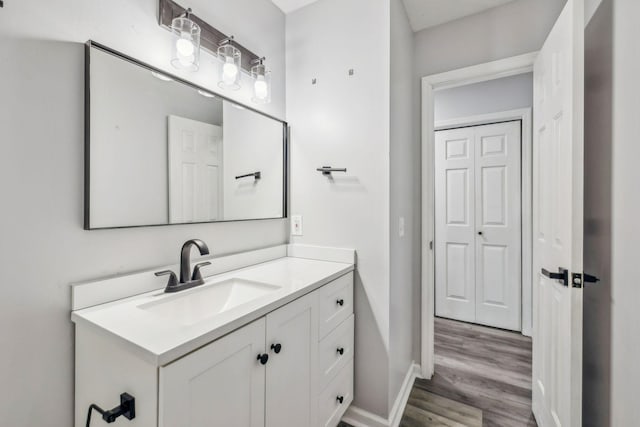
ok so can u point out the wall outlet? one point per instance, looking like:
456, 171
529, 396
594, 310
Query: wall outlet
401, 227
296, 225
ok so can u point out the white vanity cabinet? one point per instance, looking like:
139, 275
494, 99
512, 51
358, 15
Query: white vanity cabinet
292, 367
247, 377
292, 346
220, 384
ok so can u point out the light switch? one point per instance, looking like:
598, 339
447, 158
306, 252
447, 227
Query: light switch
401, 227
296, 225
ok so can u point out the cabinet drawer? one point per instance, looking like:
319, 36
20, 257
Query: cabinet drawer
331, 408
336, 349
336, 303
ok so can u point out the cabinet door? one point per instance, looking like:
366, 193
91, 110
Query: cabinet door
222, 384
292, 371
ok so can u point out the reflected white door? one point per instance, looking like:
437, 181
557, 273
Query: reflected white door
195, 170
557, 222
478, 224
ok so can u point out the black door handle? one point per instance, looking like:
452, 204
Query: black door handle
588, 278
263, 358
276, 348
562, 275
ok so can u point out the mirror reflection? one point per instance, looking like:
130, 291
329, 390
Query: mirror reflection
161, 151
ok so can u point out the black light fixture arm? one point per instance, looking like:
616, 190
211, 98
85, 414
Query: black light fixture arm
127, 409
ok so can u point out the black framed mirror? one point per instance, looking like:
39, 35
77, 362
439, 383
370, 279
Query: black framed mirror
160, 150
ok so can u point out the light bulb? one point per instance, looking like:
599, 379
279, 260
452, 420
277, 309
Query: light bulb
185, 47
229, 71
260, 88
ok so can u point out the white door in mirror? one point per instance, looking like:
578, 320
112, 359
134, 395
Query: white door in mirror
195, 163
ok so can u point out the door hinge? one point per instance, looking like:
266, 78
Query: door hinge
431, 245
576, 280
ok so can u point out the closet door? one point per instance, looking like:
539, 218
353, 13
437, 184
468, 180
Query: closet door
455, 224
498, 225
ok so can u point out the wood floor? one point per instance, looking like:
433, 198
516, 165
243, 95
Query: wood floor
482, 378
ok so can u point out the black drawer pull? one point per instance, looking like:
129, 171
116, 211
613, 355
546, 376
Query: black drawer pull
341, 351
263, 358
340, 399
276, 348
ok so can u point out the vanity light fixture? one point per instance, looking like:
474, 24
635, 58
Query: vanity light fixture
261, 82
186, 42
230, 63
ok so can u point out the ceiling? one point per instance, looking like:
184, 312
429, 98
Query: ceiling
422, 13
290, 5
429, 13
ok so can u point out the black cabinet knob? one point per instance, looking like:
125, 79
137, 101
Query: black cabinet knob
263, 358
479, 233
276, 348
340, 399
341, 351
340, 302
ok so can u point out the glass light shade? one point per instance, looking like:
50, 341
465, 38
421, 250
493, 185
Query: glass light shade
230, 63
261, 84
185, 54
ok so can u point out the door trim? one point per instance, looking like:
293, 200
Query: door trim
430, 84
524, 115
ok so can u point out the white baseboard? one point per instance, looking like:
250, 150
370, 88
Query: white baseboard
403, 395
360, 418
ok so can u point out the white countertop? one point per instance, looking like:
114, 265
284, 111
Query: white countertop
161, 341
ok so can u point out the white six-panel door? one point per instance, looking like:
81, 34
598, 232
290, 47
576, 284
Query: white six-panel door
195, 176
478, 224
557, 222
455, 224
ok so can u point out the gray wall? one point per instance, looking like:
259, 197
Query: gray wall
625, 290
598, 148
343, 121
43, 246
513, 29
404, 202
508, 93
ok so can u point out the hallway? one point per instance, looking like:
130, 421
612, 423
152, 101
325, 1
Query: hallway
482, 378
484, 368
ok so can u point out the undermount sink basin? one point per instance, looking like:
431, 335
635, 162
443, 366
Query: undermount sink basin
196, 305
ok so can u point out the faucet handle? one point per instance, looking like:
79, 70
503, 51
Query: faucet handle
197, 274
173, 279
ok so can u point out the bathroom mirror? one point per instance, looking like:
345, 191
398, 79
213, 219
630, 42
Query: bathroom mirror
160, 150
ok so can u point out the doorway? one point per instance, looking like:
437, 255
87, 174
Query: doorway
478, 223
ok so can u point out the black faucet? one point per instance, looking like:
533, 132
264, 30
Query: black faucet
185, 257
187, 279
